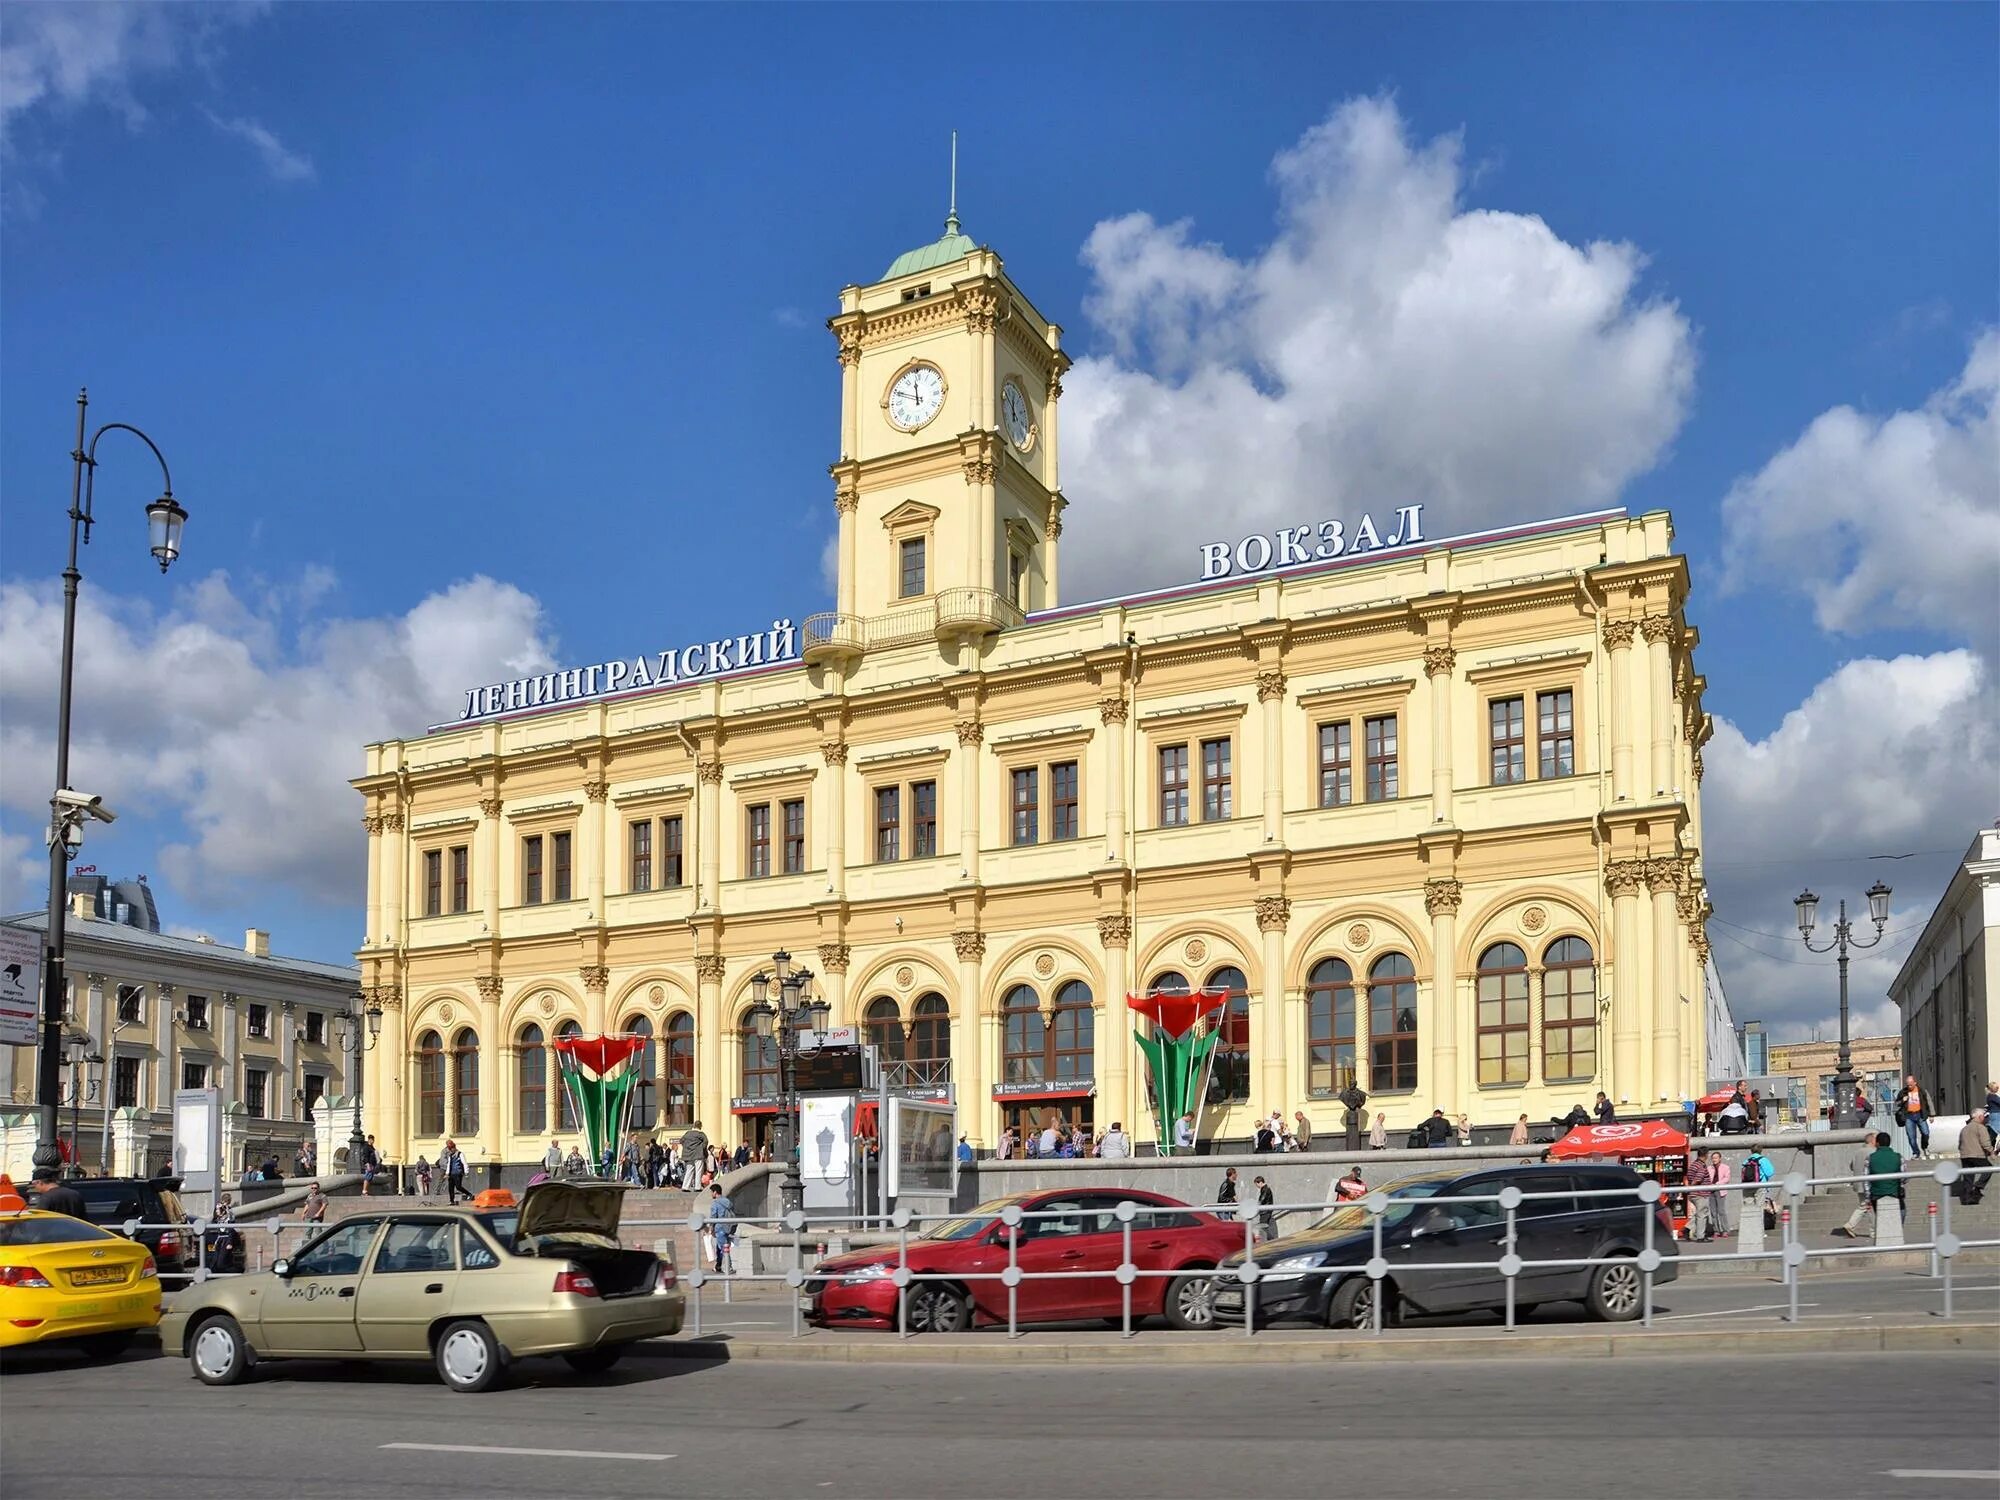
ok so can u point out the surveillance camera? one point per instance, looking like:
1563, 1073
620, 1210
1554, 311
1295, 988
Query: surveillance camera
90, 806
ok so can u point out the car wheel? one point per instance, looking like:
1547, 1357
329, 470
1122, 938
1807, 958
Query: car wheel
468, 1356
1353, 1304
594, 1361
218, 1352
1616, 1290
938, 1309
1191, 1301
107, 1345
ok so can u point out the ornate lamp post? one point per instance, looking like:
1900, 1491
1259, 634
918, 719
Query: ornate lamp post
68, 810
81, 1048
788, 1006
355, 1041
1845, 1116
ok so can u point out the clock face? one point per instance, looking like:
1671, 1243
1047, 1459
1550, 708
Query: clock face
1018, 418
915, 397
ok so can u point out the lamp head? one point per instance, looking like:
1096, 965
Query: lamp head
821, 1012
164, 519
1808, 909
374, 1020
1878, 903
763, 1017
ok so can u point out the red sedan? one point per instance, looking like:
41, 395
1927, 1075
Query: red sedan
1083, 1235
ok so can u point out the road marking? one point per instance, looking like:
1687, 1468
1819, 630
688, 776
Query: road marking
644, 1458
1730, 1312
1943, 1473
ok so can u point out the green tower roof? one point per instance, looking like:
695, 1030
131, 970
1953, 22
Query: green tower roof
953, 246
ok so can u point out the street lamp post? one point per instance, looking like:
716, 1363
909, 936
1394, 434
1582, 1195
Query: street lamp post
787, 1007
80, 1045
107, 1100
1845, 1115
355, 1040
164, 518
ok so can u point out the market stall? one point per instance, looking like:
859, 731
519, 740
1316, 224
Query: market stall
1652, 1148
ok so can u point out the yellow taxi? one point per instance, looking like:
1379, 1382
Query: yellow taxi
63, 1279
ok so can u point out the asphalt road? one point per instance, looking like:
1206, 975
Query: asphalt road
1918, 1425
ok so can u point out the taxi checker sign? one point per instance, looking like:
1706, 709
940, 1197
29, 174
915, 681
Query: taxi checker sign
20, 985
1295, 546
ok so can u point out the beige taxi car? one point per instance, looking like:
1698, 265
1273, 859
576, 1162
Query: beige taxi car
470, 1292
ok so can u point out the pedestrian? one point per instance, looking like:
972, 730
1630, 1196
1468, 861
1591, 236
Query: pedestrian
722, 1223
1701, 1174
1267, 1218
1116, 1145
1606, 1114
1303, 1134
313, 1210
1719, 1207
694, 1152
1913, 1113
965, 1152
1577, 1115
1184, 1133
1735, 1116
1884, 1174
308, 1158
451, 1162
573, 1165
1437, 1130
742, 1154
1519, 1135
1225, 1195
628, 1161
1350, 1188
552, 1159
1753, 1108
1378, 1133
1464, 1131
1993, 1108
1050, 1143
424, 1178
51, 1195
656, 1164
1266, 1139
1756, 1168
371, 1165
1005, 1150
1975, 1151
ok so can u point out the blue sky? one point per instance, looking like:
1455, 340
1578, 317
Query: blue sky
418, 295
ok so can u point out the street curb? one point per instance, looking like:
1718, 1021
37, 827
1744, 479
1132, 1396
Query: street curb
1282, 1349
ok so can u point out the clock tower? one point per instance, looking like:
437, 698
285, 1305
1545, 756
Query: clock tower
946, 487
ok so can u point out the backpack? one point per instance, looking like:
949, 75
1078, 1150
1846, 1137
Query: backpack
1420, 1138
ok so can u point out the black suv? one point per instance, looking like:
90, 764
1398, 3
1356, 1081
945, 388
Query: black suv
113, 1202
1459, 1242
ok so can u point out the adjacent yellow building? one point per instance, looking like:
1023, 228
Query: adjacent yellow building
1428, 809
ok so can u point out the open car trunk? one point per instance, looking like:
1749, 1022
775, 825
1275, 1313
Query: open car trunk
578, 1222
618, 1273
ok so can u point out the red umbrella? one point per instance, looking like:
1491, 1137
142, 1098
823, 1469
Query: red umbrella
1176, 1014
1636, 1138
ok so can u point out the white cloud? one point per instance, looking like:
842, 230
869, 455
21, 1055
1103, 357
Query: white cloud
1884, 521
24, 872
1389, 345
245, 717
283, 163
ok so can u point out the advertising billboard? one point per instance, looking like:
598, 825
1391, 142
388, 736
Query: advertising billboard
919, 1148
20, 985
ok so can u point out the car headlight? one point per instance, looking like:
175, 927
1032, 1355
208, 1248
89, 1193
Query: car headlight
1292, 1266
866, 1273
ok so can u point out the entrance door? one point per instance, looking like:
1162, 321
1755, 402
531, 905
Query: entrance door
409, 1286
311, 1309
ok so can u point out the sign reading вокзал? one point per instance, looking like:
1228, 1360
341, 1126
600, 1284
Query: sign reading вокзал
20, 985
1296, 546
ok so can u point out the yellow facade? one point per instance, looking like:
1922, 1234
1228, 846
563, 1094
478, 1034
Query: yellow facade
944, 684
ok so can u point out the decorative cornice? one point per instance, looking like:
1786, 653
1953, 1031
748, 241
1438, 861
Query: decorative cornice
835, 751
1443, 897
1622, 877
1274, 913
708, 968
708, 772
969, 944
1618, 633
1114, 931
489, 807
1438, 660
594, 976
1657, 628
833, 957
1113, 710
489, 986
970, 731
1270, 685
596, 791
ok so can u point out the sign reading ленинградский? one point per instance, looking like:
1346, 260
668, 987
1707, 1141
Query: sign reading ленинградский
1295, 546
760, 648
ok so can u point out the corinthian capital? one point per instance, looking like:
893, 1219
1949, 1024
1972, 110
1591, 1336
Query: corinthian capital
708, 968
1657, 628
1623, 877
833, 957
969, 944
1663, 875
708, 772
596, 791
372, 824
1114, 931
1618, 633
1270, 684
1274, 913
1113, 710
594, 976
1438, 660
1442, 897
971, 732
489, 807
489, 986
834, 752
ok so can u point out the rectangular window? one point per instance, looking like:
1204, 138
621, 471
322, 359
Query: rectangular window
1216, 801
1378, 743
461, 871
254, 1082
642, 855
1336, 764
433, 882
923, 819
531, 869
1507, 732
758, 864
911, 556
888, 824
1556, 733
671, 850
130, 998
1062, 800
1017, 580
1026, 803
315, 1091
316, 1028
794, 812
559, 862
260, 1020
197, 1015
125, 1083
194, 1075
1173, 785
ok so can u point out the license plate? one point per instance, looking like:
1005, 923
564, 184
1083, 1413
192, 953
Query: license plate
97, 1276
1229, 1299
805, 1302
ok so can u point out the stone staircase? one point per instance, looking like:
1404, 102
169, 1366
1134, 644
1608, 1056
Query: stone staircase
1820, 1213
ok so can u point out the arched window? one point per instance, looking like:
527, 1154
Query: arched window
1392, 1024
1073, 1034
1569, 1011
1329, 1028
1024, 1044
1503, 1015
645, 1111
882, 1027
566, 1112
531, 1081
1169, 982
430, 1084
465, 1082
1229, 1074
760, 1062
680, 1069
930, 1041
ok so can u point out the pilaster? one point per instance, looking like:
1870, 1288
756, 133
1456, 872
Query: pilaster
1442, 898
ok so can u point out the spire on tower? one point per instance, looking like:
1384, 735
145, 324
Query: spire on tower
951, 218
